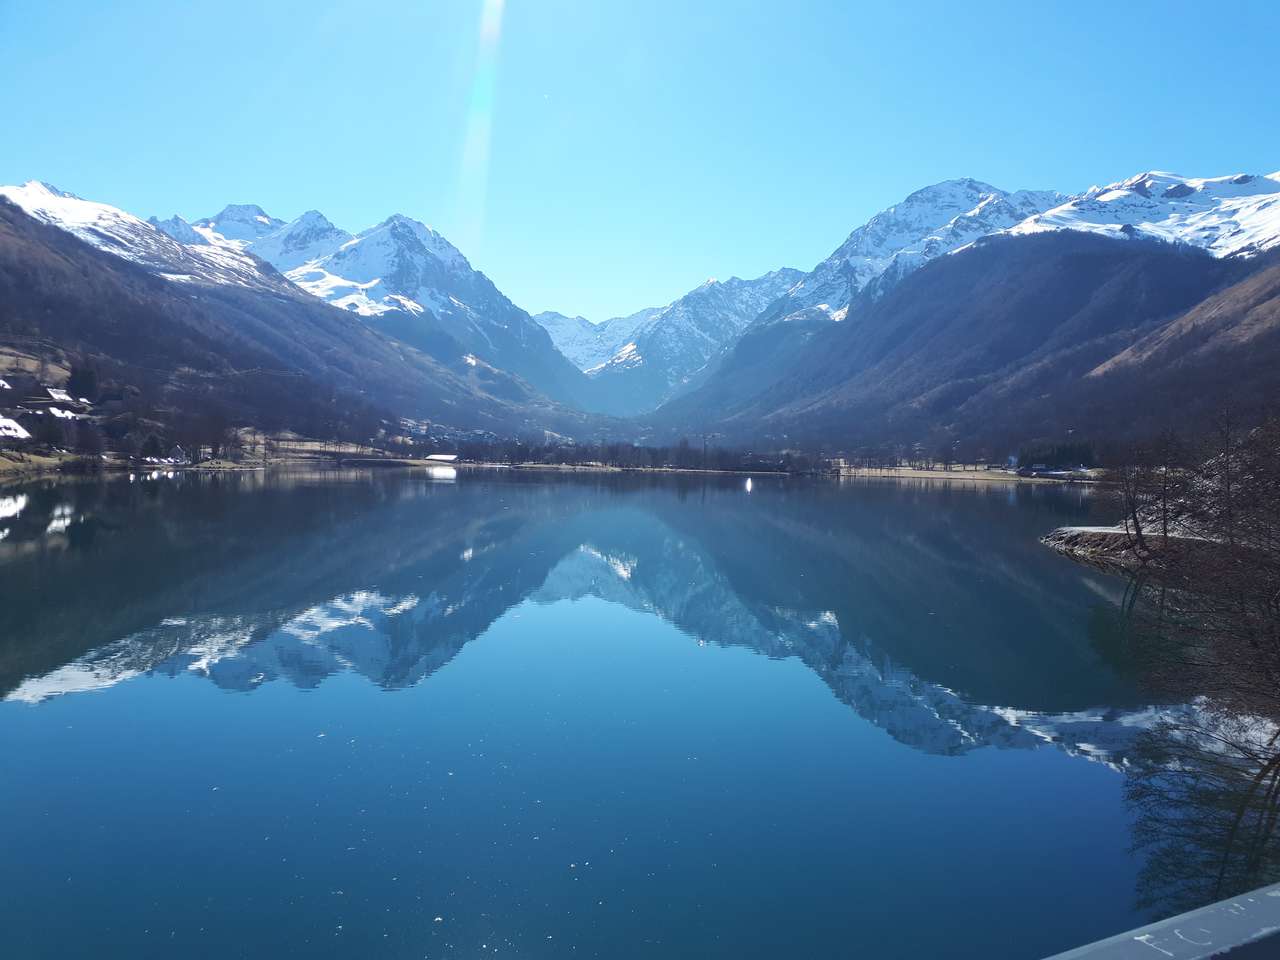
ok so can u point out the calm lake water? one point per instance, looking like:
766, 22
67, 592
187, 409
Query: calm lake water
383, 715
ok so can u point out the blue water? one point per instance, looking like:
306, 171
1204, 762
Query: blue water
380, 716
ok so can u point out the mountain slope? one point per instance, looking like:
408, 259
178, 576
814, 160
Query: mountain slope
927, 224
639, 361
1227, 216
406, 279
263, 351
124, 235
999, 336
582, 342
1223, 352
665, 351
1243, 315
986, 342
488, 355
238, 225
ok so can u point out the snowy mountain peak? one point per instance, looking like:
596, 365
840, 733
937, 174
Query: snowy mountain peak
313, 219
945, 190
307, 238
405, 277
915, 218
244, 213
432, 241
930, 222
1235, 215
121, 234
177, 228
237, 225
640, 360
49, 188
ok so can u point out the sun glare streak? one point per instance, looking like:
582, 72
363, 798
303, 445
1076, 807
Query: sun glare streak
473, 178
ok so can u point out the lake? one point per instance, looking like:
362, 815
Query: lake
396, 715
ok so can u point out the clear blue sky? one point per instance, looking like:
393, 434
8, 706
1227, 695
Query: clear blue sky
634, 149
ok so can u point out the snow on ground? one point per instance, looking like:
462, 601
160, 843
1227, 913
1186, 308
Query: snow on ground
121, 234
13, 430
1227, 216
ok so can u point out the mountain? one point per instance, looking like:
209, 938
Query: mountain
405, 279
238, 225
992, 342
1244, 316
1002, 335
124, 235
1224, 350
927, 224
1228, 216
178, 229
582, 342
964, 310
639, 361
195, 326
308, 238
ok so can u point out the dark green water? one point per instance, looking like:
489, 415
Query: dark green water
386, 716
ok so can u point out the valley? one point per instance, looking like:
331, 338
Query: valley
966, 315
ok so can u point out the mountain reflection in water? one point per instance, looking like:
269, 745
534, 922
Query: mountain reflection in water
930, 611
949, 629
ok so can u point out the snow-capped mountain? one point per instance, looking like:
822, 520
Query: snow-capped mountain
584, 343
113, 230
393, 274
308, 238
929, 223
1228, 216
639, 361
399, 264
412, 283
238, 225
407, 280
177, 228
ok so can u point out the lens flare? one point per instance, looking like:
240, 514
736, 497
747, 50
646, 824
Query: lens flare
473, 179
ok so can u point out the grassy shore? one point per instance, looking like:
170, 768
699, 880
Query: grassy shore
25, 466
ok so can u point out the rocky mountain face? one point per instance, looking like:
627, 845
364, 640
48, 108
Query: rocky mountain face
915, 324
405, 279
1237, 215
123, 235
202, 324
639, 361
238, 225
927, 224
582, 342
994, 322
994, 342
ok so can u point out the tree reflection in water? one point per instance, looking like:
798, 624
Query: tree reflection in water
1205, 792
1203, 611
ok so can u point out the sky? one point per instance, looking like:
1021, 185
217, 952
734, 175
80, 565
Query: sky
600, 156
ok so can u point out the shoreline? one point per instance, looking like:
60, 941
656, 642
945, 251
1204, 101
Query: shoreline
38, 467
1107, 548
